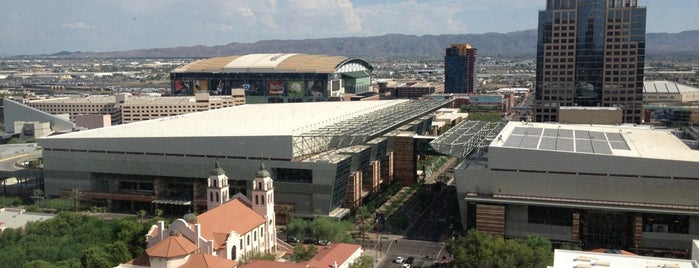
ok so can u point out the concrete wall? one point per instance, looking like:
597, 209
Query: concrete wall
15, 111
584, 115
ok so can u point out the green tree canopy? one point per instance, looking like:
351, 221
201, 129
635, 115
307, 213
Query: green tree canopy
479, 249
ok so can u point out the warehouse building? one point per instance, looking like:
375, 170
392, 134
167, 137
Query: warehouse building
275, 78
325, 156
625, 187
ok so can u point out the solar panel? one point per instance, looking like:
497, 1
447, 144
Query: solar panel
513, 141
534, 131
519, 131
595, 135
530, 142
614, 136
548, 143
601, 147
565, 145
582, 134
583, 146
565, 133
550, 132
619, 145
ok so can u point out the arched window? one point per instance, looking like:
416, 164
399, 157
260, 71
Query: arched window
257, 201
217, 199
215, 183
259, 186
263, 199
233, 251
211, 197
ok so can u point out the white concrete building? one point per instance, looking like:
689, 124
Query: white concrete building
593, 185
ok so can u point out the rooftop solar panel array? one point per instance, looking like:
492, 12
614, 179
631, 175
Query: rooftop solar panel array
566, 140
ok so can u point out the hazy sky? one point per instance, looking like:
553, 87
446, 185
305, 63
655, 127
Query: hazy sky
29, 27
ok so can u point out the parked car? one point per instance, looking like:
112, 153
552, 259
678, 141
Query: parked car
409, 260
398, 259
405, 265
322, 242
292, 240
309, 241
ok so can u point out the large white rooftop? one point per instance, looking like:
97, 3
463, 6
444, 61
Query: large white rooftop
574, 258
283, 119
623, 140
667, 87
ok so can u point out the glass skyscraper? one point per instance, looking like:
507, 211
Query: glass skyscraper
459, 64
590, 53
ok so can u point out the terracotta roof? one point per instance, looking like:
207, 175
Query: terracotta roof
201, 260
142, 260
233, 215
325, 258
612, 251
173, 246
268, 264
336, 253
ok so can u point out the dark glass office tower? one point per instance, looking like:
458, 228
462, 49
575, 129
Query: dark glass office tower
459, 64
590, 53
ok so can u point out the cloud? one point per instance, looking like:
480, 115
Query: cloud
352, 21
78, 25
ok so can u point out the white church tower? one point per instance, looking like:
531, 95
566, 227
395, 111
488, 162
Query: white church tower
217, 187
263, 203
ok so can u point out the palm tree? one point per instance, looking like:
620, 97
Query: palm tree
362, 215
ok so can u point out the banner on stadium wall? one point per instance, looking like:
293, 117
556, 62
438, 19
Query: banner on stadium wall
276, 87
295, 88
201, 86
316, 88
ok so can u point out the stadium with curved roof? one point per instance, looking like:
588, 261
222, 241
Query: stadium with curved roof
280, 77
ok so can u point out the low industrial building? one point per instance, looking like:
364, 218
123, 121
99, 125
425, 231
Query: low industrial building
669, 93
125, 108
626, 187
325, 156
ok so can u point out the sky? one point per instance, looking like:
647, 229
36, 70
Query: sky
32, 27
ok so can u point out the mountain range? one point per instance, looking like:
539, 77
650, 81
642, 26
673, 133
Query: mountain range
521, 43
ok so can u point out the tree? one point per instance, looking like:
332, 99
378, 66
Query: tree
76, 197
362, 216
363, 261
303, 253
479, 249
141, 215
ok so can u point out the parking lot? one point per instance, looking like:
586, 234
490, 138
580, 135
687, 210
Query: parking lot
423, 252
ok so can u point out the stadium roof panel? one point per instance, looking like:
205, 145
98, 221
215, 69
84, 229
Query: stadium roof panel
280, 119
667, 87
267, 63
624, 140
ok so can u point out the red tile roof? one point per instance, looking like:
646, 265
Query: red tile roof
233, 215
272, 264
172, 246
201, 260
142, 260
325, 258
339, 253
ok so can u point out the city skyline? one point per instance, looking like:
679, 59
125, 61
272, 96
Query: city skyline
40, 27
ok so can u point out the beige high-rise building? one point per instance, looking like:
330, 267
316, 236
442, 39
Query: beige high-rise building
590, 53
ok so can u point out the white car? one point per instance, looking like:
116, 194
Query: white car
398, 259
405, 265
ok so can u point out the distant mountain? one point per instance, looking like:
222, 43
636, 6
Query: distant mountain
522, 43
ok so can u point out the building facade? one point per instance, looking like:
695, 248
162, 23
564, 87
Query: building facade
459, 69
590, 53
325, 156
619, 187
124, 108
